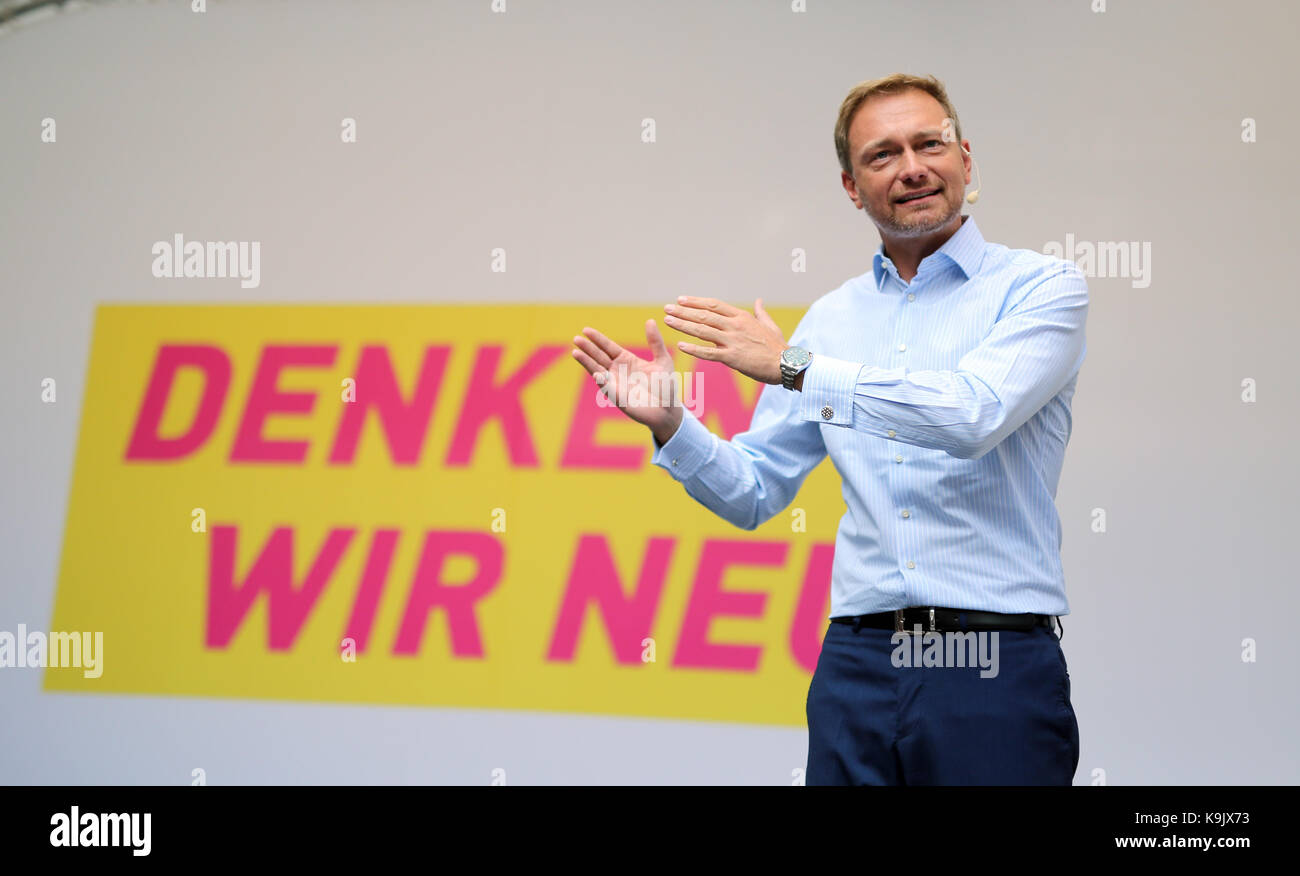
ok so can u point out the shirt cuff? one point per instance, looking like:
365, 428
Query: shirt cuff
828, 388
689, 450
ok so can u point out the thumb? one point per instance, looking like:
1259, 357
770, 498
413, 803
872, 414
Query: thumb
765, 318
658, 348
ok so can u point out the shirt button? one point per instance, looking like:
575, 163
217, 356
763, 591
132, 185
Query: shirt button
827, 412
674, 462
911, 296
902, 348
911, 565
890, 433
898, 459
907, 513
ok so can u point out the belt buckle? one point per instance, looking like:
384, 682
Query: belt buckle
898, 621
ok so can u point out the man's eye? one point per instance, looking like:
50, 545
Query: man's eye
936, 142
878, 154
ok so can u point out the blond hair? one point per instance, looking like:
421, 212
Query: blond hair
891, 84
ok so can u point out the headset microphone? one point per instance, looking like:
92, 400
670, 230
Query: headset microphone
975, 194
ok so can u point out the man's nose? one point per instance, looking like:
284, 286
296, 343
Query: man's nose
913, 169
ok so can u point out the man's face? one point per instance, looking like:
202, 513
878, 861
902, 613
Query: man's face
898, 150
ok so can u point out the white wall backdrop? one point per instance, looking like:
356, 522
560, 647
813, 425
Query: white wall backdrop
521, 129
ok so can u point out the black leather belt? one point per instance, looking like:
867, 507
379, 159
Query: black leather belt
944, 620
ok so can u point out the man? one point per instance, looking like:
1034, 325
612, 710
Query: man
940, 385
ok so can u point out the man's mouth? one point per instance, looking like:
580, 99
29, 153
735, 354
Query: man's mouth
918, 196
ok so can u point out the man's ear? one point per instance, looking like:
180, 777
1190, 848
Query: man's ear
851, 186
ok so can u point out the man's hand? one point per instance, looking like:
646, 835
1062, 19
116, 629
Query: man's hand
750, 343
642, 389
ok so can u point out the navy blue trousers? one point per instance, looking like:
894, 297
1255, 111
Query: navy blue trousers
873, 723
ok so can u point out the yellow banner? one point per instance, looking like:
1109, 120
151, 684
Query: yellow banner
421, 505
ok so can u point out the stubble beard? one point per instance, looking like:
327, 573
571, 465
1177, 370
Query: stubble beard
919, 228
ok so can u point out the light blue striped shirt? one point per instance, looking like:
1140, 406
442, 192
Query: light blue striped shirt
944, 405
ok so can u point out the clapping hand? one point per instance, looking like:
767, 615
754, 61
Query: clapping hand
642, 388
750, 343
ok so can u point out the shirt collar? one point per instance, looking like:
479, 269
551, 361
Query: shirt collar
965, 249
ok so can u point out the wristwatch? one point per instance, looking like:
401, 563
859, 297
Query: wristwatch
793, 361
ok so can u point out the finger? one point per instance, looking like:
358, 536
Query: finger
608, 347
763, 315
713, 354
696, 330
696, 314
596, 353
713, 304
587, 362
657, 346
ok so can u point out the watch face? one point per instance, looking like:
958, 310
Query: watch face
796, 356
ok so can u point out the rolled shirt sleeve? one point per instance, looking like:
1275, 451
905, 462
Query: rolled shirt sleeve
756, 474
1026, 359
691, 448
829, 387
